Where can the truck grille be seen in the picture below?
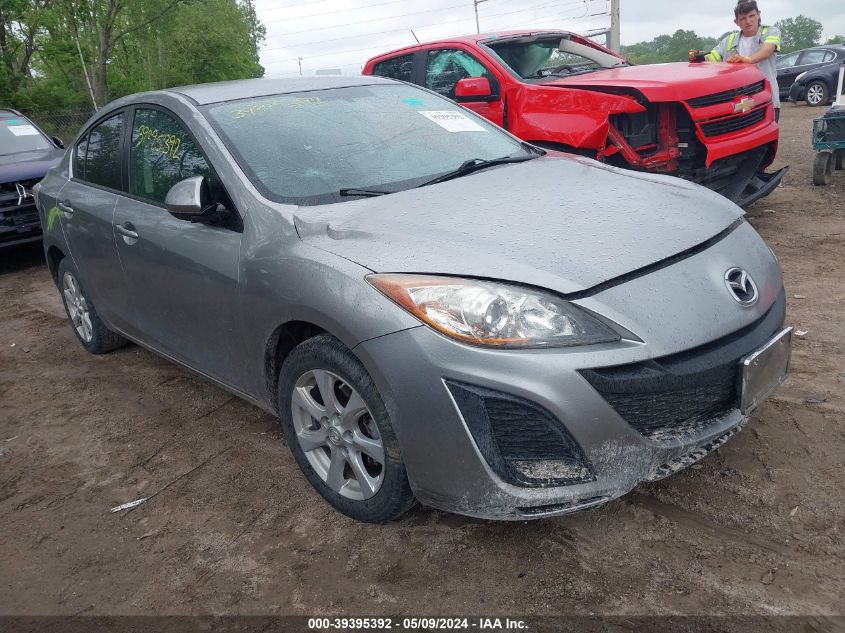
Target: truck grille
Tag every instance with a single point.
(734, 123)
(727, 95)
(681, 394)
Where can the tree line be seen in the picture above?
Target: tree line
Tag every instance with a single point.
(65, 54)
(796, 33)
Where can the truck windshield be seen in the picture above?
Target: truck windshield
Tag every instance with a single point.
(534, 58)
(335, 145)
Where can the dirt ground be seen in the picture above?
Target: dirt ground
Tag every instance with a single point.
(756, 528)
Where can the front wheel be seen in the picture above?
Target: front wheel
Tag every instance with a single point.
(817, 93)
(340, 433)
(90, 330)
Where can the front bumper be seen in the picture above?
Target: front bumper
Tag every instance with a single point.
(796, 92)
(452, 465)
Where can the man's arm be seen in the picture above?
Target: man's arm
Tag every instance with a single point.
(770, 46)
(764, 52)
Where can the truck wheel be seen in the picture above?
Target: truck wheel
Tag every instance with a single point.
(817, 93)
(822, 168)
(839, 159)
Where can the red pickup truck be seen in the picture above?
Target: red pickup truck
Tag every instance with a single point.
(709, 123)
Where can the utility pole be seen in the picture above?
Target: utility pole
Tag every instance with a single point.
(613, 40)
(475, 5)
(299, 59)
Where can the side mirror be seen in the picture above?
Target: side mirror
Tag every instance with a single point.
(473, 89)
(59, 143)
(188, 197)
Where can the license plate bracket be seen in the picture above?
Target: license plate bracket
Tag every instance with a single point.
(764, 369)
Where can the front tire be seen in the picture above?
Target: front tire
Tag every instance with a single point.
(340, 433)
(90, 330)
(817, 93)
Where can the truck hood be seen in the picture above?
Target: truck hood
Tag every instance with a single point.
(563, 223)
(667, 82)
(28, 165)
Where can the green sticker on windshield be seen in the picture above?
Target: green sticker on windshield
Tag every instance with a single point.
(12, 121)
(414, 102)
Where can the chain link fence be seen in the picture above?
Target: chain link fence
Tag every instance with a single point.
(65, 125)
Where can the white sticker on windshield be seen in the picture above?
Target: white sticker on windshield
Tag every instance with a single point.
(23, 130)
(452, 120)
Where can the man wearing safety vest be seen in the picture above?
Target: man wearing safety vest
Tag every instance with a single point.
(752, 44)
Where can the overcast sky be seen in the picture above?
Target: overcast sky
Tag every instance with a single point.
(343, 34)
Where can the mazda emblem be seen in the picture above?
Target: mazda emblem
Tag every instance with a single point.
(741, 286)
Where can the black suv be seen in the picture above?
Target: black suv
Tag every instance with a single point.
(26, 153)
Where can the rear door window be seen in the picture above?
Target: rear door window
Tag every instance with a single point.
(401, 68)
(101, 164)
(813, 57)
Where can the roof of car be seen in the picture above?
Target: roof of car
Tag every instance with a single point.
(479, 37)
(204, 94)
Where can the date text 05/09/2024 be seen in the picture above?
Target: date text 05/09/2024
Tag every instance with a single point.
(412, 624)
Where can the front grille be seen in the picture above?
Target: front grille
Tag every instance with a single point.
(734, 123)
(523, 444)
(17, 221)
(676, 395)
(727, 95)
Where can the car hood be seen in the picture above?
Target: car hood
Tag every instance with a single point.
(567, 224)
(28, 165)
(667, 82)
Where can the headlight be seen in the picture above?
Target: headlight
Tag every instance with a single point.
(493, 314)
(801, 76)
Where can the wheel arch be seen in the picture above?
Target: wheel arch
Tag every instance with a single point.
(280, 344)
(54, 256)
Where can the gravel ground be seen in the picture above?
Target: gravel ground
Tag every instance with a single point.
(756, 528)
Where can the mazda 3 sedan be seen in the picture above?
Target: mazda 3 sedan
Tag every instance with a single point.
(436, 311)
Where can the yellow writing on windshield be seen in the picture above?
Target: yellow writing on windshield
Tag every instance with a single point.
(265, 106)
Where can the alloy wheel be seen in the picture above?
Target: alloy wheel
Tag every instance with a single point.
(336, 431)
(815, 94)
(77, 307)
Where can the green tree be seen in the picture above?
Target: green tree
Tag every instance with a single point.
(668, 48)
(837, 39)
(799, 32)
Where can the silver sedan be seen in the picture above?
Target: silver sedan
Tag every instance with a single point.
(436, 311)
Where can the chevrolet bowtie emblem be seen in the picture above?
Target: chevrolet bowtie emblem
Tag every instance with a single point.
(745, 105)
(23, 193)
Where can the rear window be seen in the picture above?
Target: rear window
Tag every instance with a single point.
(401, 68)
(18, 134)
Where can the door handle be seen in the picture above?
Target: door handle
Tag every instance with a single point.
(127, 230)
(66, 208)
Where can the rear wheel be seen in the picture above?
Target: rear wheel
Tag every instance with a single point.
(340, 433)
(817, 93)
(86, 323)
(822, 168)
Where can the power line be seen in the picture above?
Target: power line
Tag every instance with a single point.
(493, 15)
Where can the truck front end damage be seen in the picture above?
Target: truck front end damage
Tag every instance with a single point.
(723, 141)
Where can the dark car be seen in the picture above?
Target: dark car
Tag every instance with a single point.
(811, 74)
(26, 154)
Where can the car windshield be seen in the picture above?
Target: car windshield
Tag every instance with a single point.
(539, 57)
(18, 135)
(305, 147)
